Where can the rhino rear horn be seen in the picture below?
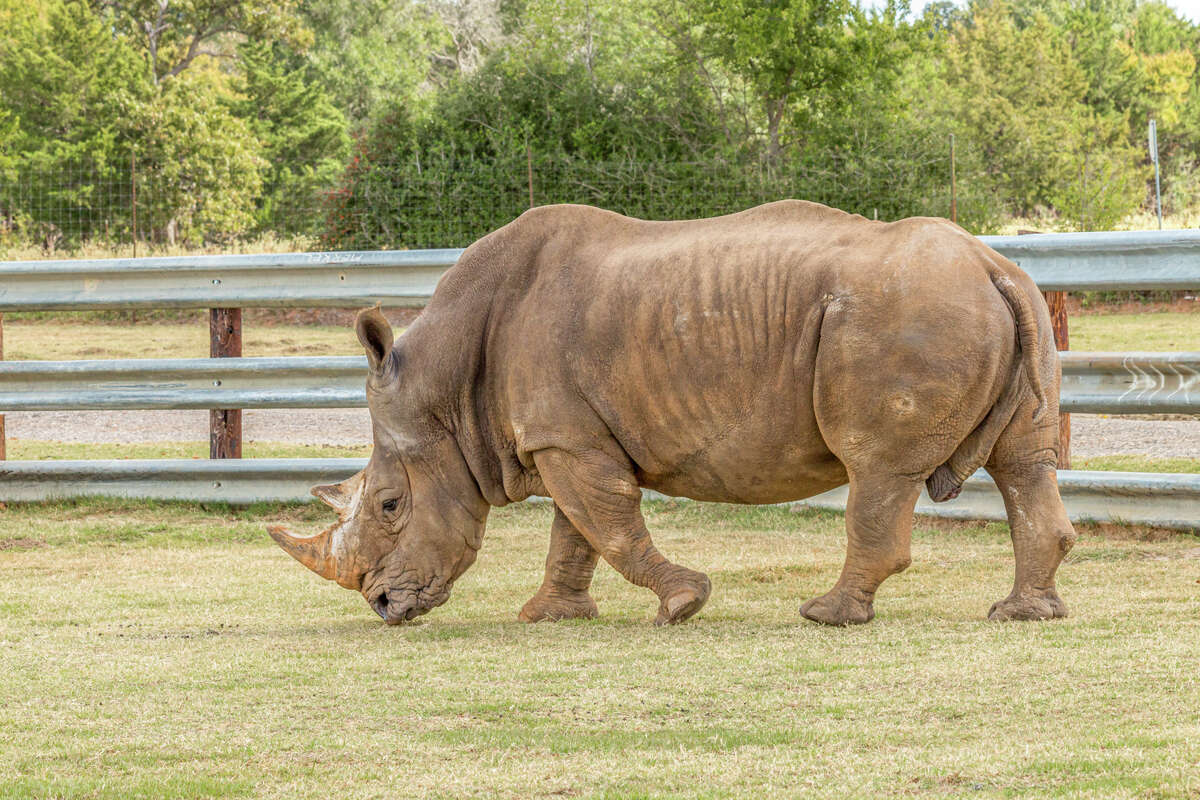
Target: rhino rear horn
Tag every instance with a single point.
(339, 496)
(375, 334)
(331, 494)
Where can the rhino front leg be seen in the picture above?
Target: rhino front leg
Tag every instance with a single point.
(879, 518)
(569, 567)
(600, 496)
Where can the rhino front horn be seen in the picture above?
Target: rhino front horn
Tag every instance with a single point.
(311, 551)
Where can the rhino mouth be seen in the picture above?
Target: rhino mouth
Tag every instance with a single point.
(395, 606)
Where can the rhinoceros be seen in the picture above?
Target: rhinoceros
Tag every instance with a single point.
(761, 357)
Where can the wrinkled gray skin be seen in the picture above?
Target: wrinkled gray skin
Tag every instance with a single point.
(760, 357)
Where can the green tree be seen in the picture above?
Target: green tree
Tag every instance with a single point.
(68, 89)
(794, 55)
(174, 33)
(200, 173)
(1027, 119)
(369, 54)
(303, 137)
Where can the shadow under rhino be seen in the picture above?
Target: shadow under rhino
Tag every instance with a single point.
(760, 357)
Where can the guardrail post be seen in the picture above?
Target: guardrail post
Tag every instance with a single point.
(225, 341)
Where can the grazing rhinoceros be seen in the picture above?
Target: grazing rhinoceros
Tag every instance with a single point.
(759, 357)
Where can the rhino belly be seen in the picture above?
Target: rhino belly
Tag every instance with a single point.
(761, 460)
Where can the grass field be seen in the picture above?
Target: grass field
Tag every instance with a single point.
(1156, 331)
(152, 650)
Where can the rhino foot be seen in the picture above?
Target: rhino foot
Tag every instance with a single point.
(839, 607)
(1045, 604)
(555, 607)
(685, 601)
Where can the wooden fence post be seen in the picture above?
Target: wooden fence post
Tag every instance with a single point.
(225, 341)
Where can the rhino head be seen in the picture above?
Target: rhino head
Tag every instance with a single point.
(412, 521)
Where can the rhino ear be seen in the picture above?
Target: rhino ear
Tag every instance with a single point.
(376, 337)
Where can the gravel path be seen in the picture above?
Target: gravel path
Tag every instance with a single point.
(335, 426)
(1091, 435)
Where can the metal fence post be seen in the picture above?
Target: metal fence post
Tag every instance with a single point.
(225, 341)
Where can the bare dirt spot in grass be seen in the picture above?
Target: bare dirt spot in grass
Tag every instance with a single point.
(766, 575)
(133, 631)
(21, 543)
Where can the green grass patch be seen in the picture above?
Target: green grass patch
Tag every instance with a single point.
(36, 450)
(1136, 464)
(170, 649)
(1157, 331)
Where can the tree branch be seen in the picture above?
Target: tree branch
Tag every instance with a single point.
(194, 50)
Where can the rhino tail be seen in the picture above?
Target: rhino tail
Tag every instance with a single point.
(1028, 338)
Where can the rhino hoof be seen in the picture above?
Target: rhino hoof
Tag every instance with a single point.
(1044, 605)
(838, 608)
(684, 603)
(541, 608)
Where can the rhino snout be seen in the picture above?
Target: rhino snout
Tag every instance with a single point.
(397, 607)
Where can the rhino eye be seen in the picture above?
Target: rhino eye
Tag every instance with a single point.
(390, 505)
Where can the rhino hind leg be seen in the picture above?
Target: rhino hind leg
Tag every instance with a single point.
(1023, 466)
(599, 494)
(879, 519)
(569, 568)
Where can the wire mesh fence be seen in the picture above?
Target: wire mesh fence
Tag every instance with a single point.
(429, 201)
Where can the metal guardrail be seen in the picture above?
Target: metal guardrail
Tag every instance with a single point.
(1130, 383)
(1109, 260)
(394, 277)
(1142, 498)
(237, 481)
(314, 382)
(1056, 261)
(1170, 501)
(1113, 383)
(1120, 383)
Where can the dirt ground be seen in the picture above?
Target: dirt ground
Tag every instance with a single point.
(1091, 434)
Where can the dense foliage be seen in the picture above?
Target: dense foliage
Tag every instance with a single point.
(420, 123)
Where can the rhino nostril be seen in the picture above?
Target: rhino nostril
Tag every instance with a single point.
(379, 603)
